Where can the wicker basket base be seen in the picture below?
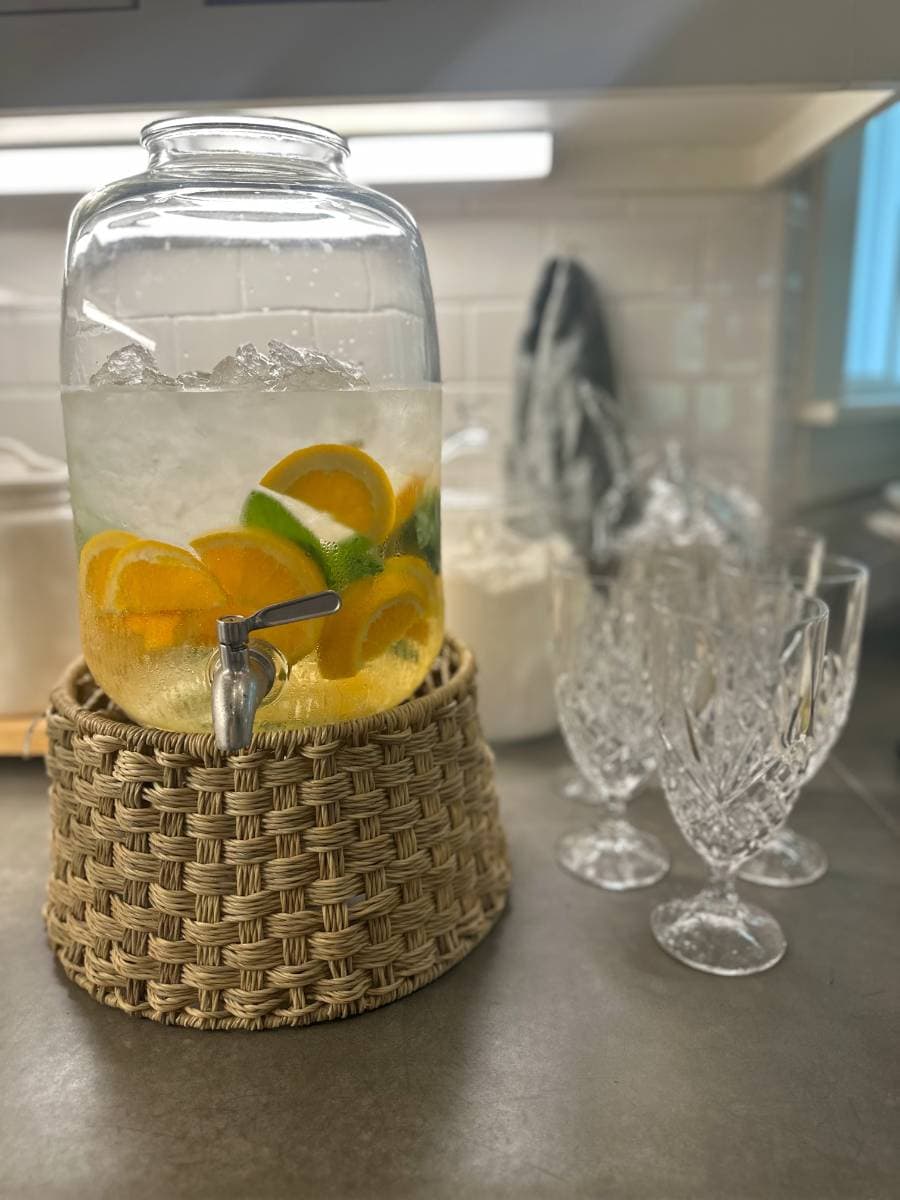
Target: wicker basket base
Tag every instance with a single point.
(322, 873)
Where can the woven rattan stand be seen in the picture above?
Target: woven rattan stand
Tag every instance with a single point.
(322, 873)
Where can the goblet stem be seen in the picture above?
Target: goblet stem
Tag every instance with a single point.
(612, 808)
(611, 853)
(716, 931)
(722, 887)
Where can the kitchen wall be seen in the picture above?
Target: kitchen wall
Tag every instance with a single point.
(692, 284)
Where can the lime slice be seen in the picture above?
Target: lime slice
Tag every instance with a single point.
(263, 511)
(340, 562)
(353, 558)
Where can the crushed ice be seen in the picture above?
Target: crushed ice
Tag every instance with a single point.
(280, 369)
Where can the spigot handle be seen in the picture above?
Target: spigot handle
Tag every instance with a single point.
(304, 608)
(235, 631)
(243, 674)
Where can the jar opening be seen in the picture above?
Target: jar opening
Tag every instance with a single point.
(177, 139)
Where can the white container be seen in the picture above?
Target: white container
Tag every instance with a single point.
(497, 598)
(38, 577)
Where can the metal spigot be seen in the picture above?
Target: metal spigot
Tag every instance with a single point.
(243, 674)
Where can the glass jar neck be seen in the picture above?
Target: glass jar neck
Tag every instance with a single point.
(243, 147)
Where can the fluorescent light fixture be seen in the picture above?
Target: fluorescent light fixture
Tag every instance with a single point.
(394, 158)
(66, 170)
(452, 157)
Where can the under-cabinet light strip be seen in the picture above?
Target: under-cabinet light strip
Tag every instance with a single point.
(388, 158)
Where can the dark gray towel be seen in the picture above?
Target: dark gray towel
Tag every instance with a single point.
(568, 441)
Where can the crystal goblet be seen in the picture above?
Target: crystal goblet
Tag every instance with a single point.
(790, 859)
(605, 717)
(735, 685)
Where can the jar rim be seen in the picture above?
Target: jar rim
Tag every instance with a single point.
(288, 127)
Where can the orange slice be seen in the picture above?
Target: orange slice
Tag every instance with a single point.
(159, 631)
(97, 555)
(342, 481)
(255, 567)
(155, 577)
(408, 501)
(375, 613)
(420, 570)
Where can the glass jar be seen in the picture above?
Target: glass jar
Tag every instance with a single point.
(498, 548)
(37, 588)
(251, 396)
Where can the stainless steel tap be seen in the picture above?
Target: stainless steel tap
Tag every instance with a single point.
(243, 674)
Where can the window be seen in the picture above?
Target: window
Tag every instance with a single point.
(872, 345)
(853, 275)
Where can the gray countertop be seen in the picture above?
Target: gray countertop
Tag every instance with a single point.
(567, 1056)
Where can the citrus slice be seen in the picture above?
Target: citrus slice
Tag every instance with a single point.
(159, 631)
(155, 577)
(262, 511)
(420, 630)
(342, 481)
(375, 613)
(408, 498)
(96, 558)
(255, 567)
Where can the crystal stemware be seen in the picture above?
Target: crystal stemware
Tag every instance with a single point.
(735, 683)
(573, 786)
(790, 859)
(605, 717)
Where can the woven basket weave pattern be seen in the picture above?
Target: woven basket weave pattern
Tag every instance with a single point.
(321, 873)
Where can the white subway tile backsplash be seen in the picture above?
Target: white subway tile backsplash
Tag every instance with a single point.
(664, 337)
(692, 283)
(660, 259)
(493, 336)
(736, 255)
(742, 335)
(714, 406)
(34, 416)
(313, 277)
(451, 335)
(31, 260)
(484, 259)
(661, 405)
(380, 342)
(203, 283)
(29, 348)
(489, 403)
(201, 341)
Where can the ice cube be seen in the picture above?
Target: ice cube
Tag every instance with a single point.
(247, 367)
(192, 381)
(133, 366)
(310, 369)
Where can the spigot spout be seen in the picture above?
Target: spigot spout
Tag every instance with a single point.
(243, 675)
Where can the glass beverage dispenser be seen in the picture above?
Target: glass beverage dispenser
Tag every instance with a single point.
(252, 408)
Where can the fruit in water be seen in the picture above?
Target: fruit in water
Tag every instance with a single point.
(154, 577)
(254, 568)
(342, 481)
(96, 558)
(408, 498)
(375, 613)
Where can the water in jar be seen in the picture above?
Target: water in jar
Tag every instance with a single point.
(193, 501)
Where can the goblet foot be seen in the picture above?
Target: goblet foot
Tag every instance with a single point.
(574, 786)
(718, 933)
(613, 855)
(788, 860)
